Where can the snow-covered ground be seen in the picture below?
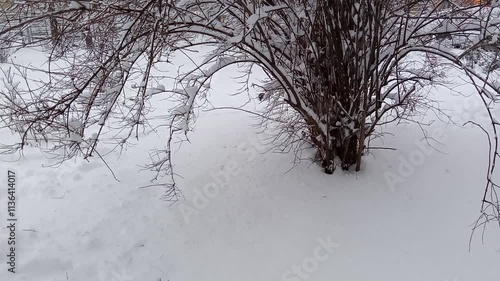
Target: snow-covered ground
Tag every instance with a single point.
(246, 216)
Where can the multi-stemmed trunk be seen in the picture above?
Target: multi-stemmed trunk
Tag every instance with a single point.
(342, 147)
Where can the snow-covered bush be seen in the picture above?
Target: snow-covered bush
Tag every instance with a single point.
(336, 69)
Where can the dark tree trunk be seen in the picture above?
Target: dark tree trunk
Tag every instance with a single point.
(338, 149)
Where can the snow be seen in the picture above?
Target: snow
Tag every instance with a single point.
(156, 90)
(102, 120)
(181, 110)
(247, 216)
(494, 39)
(75, 137)
(75, 124)
(235, 39)
(75, 5)
(252, 20)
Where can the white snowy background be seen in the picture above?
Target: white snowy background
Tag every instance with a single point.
(76, 222)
